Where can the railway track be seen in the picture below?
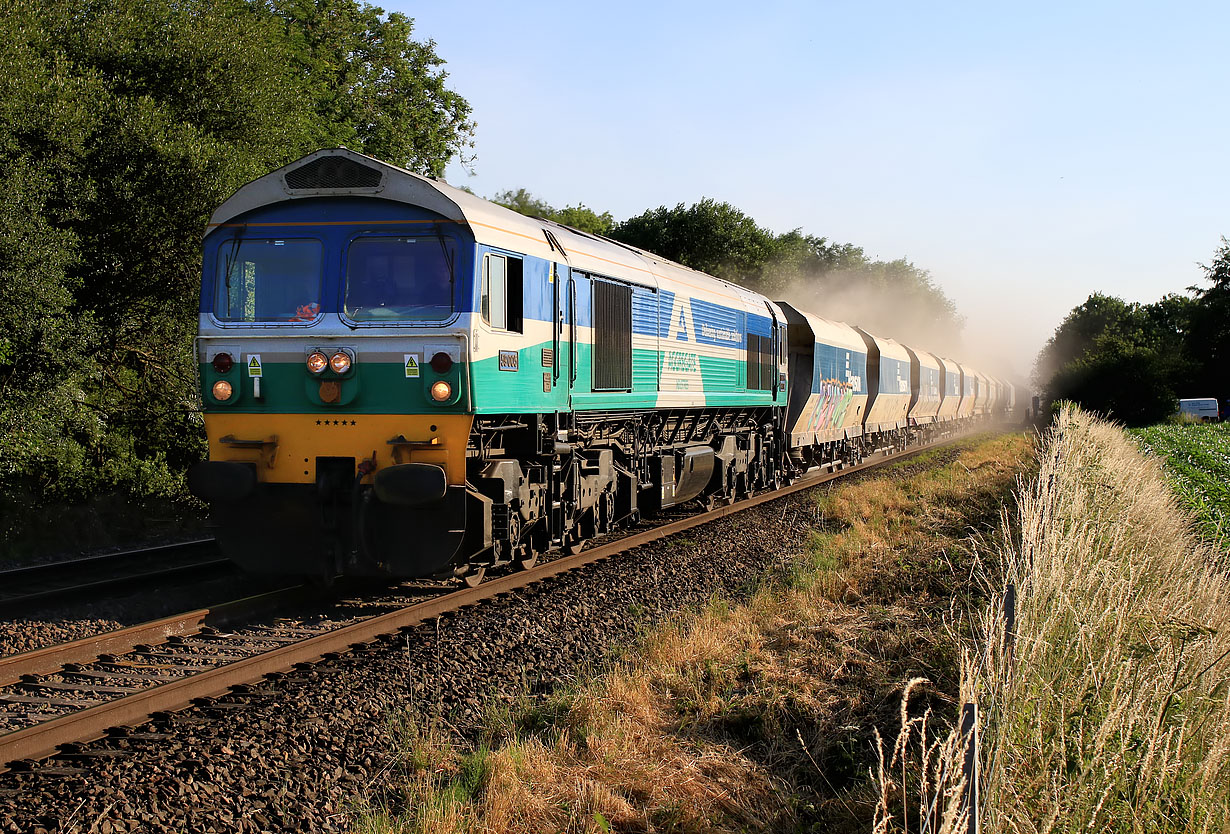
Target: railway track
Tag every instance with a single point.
(55, 700)
(39, 586)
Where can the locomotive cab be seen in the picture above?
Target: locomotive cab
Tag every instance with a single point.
(402, 379)
(333, 355)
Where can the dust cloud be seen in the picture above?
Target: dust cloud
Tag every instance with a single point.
(923, 318)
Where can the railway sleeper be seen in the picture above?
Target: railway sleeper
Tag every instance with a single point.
(53, 686)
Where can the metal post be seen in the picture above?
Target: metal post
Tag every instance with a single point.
(1010, 625)
(969, 736)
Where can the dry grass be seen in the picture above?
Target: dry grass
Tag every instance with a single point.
(756, 717)
(1115, 715)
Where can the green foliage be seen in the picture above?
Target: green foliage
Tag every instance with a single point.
(710, 236)
(838, 279)
(1126, 361)
(374, 88)
(586, 219)
(123, 123)
(1119, 379)
(524, 202)
(1132, 361)
(1197, 459)
(1210, 329)
(578, 216)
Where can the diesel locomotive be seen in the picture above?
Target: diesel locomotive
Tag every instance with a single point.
(402, 379)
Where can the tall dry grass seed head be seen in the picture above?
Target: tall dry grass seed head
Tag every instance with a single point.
(1115, 714)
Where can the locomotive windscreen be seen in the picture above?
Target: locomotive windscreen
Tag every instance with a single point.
(268, 280)
(399, 278)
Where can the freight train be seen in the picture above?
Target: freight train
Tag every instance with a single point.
(402, 379)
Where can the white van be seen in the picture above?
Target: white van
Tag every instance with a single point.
(1203, 409)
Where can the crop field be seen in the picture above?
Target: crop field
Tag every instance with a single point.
(1197, 459)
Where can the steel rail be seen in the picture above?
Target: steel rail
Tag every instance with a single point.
(52, 659)
(14, 603)
(45, 739)
(52, 568)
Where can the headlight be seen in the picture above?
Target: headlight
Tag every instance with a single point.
(317, 362)
(340, 363)
(441, 391)
(222, 390)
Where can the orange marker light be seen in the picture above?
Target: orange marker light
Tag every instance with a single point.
(441, 391)
(222, 390)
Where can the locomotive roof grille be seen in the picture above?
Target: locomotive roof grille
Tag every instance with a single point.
(329, 172)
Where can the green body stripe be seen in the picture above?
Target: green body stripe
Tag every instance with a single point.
(383, 388)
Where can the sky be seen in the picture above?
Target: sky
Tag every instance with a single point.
(1027, 156)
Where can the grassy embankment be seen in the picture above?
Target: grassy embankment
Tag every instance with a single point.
(1197, 459)
(752, 717)
(1115, 715)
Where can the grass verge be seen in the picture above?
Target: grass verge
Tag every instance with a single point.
(758, 716)
(1114, 714)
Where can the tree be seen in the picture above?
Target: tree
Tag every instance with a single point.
(373, 88)
(123, 123)
(586, 219)
(1209, 338)
(578, 216)
(710, 236)
(1120, 379)
(1128, 361)
(523, 202)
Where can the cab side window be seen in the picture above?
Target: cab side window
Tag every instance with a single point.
(502, 292)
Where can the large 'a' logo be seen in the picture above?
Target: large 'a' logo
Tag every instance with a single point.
(681, 328)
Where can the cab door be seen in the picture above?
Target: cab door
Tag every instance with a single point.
(563, 336)
(777, 348)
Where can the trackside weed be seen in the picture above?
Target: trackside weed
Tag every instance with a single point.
(1114, 713)
(751, 715)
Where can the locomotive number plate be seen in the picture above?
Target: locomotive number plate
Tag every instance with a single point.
(509, 360)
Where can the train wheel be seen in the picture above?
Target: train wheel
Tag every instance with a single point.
(526, 557)
(522, 553)
(574, 544)
(474, 578)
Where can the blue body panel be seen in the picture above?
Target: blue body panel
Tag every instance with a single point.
(844, 365)
(952, 382)
(894, 376)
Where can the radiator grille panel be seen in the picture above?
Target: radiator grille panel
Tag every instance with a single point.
(333, 172)
(612, 337)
